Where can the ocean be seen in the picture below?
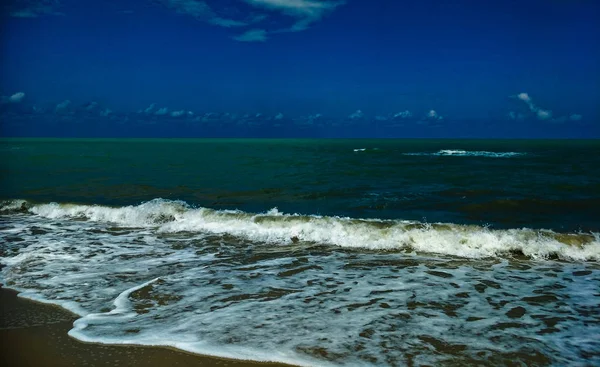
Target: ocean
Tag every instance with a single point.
(358, 252)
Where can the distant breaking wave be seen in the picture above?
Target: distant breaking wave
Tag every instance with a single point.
(468, 241)
(467, 153)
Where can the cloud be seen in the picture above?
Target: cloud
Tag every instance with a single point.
(403, 115)
(306, 12)
(148, 109)
(62, 106)
(433, 115)
(162, 111)
(15, 98)
(543, 114)
(201, 10)
(253, 35)
(105, 112)
(90, 106)
(358, 114)
(177, 113)
(575, 117)
(524, 97)
(33, 8)
(516, 116)
(279, 116)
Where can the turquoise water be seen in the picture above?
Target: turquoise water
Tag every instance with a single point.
(350, 252)
(546, 184)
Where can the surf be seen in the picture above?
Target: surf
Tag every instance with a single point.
(281, 229)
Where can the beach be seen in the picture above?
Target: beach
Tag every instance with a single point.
(35, 334)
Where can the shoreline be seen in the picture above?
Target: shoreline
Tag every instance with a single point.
(33, 333)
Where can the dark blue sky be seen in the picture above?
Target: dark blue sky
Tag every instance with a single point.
(426, 68)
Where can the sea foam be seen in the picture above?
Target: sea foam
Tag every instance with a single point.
(467, 153)
(468, 241)
(305, 290)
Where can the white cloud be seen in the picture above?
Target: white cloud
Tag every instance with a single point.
(62, 106)
(575, 117)
(433, 115)
(403, 115)
(305, 11)
(540, 113)
(543, 114)
(381, 118)
(524, 97)
(279, 116)
(356, 115)
(253, 35)
(17, 97)
(162, 111)
(177, 113)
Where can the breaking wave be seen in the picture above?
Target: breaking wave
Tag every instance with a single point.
(274, 227)
(467, 153)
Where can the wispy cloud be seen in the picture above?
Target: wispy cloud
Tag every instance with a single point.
(62, 106)
(16, 98)
(148, 109)
(105, 112)
(306, 12)
(544, 114)
(253, 35)
(539, 112)
(177, 113)
(33, 8)
(279, 116)
(515, 116)
(90, 106)
(403, 115)
(575, 117)
(201, 10)
(162, 111)
(358, 114)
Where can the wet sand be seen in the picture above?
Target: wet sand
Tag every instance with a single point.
(35, 334)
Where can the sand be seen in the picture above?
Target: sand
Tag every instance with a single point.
(35, 334)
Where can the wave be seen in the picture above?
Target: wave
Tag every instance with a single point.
(365, 149)
(468, 153)
(274, 227)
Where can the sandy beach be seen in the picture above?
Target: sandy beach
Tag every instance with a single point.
(35, 334)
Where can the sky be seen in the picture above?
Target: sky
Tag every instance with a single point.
(300, 68)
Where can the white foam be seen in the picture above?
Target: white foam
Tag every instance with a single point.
(467, 153)
(217, 295)
(277, 228)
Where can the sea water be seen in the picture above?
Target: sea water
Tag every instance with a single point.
(313, 252)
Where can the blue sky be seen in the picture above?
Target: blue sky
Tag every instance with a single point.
(346, 68)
